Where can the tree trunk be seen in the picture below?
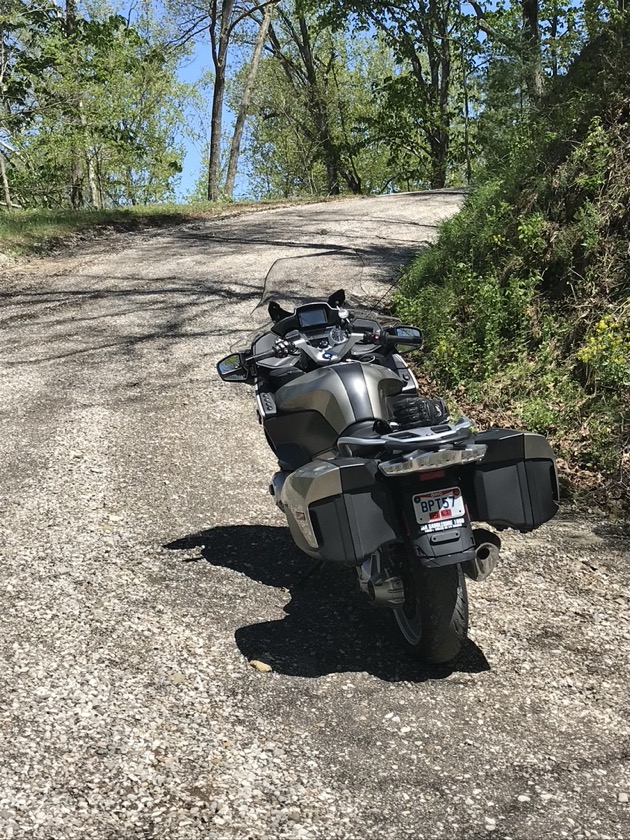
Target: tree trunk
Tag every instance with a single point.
(246, 96)
(531, 54)
(554, 45)
(439, 129)
(5, 183)
(304, 79)
(219, 58)
(434, 87)
(76, 168)
(352, 179)
(130, 188)
(466, 116)
(95, 194)
(71, 17)
(332, 174)
(96, 199)
(319, 110)
(216, 123)
(439, 145)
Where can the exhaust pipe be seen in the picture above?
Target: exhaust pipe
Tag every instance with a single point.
(486, 555)
(275, 488)
(382, 587)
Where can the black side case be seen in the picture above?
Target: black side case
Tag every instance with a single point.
(351, 526)
(516, 483)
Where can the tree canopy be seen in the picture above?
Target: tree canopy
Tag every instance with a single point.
(89, 108)
(330, 95)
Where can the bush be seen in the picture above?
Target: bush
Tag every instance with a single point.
(525, 298)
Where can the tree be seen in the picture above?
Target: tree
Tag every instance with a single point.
(421, 34)
(91, 106)
(245, 99)
(4, 147)
(221, 20)
(309, 75)
(76, 114)
(544, 36)
(526, 44)
(312, 111)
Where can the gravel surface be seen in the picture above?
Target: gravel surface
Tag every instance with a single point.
(144, 566)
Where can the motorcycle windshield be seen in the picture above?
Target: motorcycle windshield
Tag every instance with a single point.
(295, 280)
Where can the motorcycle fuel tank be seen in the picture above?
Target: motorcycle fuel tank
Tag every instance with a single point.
(314, 409)
(343, 394)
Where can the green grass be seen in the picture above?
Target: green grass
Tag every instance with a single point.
(36, 231)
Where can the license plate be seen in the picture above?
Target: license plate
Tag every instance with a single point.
(438, 506)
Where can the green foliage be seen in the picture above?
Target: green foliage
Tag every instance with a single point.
(91, 113)
(527, 289)
(401, 113)
(312, 117)
(396, 123)
(606, 353)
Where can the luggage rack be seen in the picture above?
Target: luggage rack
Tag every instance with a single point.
(408, 440)
(423, 449)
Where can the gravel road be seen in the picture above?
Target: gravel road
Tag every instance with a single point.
(144, 566)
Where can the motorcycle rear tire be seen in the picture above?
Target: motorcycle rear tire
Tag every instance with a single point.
(434, 620)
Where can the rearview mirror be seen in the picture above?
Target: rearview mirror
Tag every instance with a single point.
(405, 338)
(233, 369)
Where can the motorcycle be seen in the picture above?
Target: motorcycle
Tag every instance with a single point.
(375, 476)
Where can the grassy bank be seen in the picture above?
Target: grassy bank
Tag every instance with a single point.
(525, 298)
(30, 231)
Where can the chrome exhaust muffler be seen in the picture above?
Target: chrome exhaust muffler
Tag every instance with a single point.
(487, 555)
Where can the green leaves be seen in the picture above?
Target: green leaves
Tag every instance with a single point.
(525, 297)
(92, 111)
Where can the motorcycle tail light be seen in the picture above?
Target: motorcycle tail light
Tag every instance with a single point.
(429, 476)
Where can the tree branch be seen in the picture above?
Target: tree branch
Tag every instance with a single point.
(257, 8)
(193, 29)
(6, 148)
(493, 33)
(291, 69)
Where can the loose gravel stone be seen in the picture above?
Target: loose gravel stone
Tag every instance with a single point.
(257, 665)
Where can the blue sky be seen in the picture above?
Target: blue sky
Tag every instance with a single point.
(191, 70)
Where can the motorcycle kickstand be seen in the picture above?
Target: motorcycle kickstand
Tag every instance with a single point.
(315, 567)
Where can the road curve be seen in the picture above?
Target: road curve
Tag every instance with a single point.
(143, 566)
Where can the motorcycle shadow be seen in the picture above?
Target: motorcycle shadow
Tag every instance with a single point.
(328, 627)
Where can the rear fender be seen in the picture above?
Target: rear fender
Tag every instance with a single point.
(444, 548)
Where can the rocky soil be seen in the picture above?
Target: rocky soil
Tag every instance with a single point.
(143, 567)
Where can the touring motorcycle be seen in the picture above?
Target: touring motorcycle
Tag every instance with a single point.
(374, 475)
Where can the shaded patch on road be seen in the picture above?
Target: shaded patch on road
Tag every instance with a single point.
(328, 628)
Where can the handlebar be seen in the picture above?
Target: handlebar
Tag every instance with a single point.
(402, 335)
(296, 342)
(260, 357)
